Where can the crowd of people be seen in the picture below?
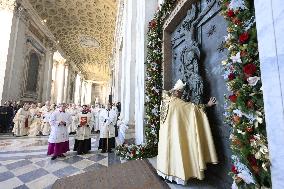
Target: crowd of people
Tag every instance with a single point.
(60, 121)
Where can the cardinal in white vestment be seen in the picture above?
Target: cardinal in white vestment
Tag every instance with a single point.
(73, 110)
(107, 130)
(96, 113)
(45, 127)
(122, 127)
(84, 121)
(58, 141)
(46, 107)
(36, 120)
(22, 121)
(185, 139)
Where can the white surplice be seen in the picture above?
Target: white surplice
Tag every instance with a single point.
(59, 133)
(83, 122)
(109, 118)
(22, 122)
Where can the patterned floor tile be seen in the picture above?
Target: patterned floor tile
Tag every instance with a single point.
(42, 163)
(83, 164)
(35, 160)
(96, 157)
(94, 167)
(22, 187)
(67, 171)
(27, 177)
(24, 164)
(11, 183)
(104, 162)
(6, 175)
(6, 162)
(79, 172)
(18, 164)
(25, 169)
(73, 159)
(3, 169)
(42, 182)
(52, 167)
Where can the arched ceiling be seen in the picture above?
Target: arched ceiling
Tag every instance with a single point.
(84, 29)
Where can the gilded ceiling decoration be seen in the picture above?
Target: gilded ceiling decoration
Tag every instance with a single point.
(84, 30)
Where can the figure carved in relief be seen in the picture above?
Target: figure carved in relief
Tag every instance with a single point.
(190, 74)
(190, 55)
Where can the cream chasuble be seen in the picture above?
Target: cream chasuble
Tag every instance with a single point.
(185, 141)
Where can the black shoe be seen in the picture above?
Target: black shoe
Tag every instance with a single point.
(103, 151)
(53, 157)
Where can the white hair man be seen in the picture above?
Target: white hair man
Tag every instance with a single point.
(22, 121)
(185, 139)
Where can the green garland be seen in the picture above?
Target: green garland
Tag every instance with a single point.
(153, 83)
(244, 107)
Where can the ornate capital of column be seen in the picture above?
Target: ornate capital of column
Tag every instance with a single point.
(21, 12)
(51, 46)
(7, 5)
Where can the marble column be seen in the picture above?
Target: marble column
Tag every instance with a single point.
(89, 93)
(60, 80)
(270, 27)
(53, 82)
(19, 12)
(66, 82)
(129, 63)
(6, 18)
(48, 74)
(145, 12)
(77, 97)
(81, 93)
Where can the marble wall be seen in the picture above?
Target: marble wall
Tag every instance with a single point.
(270, 27)
(15, 64)
(6, 17)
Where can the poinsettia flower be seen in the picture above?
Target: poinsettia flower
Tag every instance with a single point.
(252, 81)
(231, 76)
(243, 37)
(236, 58)
(230, 13)
(249, 69)
(233, 98)
(234, 169)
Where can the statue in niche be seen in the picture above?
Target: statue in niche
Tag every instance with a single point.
(189, 70)
(32, 75)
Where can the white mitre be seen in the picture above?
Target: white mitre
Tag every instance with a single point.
(179, 85)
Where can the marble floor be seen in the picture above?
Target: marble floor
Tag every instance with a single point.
(24, 163)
